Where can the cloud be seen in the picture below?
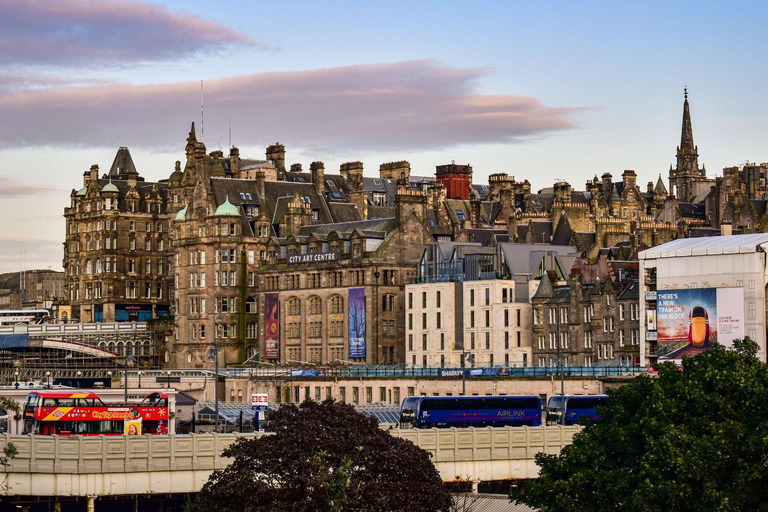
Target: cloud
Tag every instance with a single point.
(10, 187)
(97, 33)
(405, 105)
(37, 253)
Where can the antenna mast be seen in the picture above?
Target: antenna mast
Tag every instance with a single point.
(202, 129)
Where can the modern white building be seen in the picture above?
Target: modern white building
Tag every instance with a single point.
(697, 290)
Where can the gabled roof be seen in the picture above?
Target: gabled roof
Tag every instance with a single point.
(376, 228)
(524, 259)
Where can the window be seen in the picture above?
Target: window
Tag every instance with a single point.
(460, 215)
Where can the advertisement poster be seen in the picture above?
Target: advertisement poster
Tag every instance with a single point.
(356, 323)
(271, 326)
(132, 427)
(690, 321)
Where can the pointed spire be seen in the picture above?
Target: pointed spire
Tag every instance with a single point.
(686, 138)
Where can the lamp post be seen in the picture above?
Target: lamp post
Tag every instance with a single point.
(215, 357)
(16, 380)
(139, 374)
(128, 358)
(466, 357)
(168, 381)
(48, 379)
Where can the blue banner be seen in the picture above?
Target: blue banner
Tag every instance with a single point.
(8, 341)
(356, 323)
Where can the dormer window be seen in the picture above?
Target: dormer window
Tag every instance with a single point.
(460, 214)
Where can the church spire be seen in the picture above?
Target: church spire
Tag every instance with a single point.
(687, 152)
(686, 139)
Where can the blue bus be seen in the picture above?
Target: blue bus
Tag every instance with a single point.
(576, 407)
(471, 411)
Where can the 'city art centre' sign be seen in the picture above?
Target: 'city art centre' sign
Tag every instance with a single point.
(316, 257)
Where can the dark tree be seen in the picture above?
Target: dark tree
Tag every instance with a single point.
(324, 457)
(693, 438)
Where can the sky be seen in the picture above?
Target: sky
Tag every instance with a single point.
(543, 91)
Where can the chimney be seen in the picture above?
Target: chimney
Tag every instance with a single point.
(95, 173)
(630, 179)
(359, 197)
(276, 153)
(512, 228)
(234, 161)
(607, 185)
(353, 172)
(317, 171)
(260, 178)
(650, 187)
(295, 167)
(726, 229)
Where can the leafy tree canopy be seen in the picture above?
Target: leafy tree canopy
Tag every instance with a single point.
(693, 438)
(324, 457)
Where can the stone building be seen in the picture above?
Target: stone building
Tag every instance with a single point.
(117, 258)
(266, 261)
(586, 324)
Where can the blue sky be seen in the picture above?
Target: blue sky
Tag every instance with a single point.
(543, 91)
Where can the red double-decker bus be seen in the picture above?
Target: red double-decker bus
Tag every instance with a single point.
(78, 413)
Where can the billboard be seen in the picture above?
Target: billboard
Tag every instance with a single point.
(271, 326)
(356, 323)
(690, 321)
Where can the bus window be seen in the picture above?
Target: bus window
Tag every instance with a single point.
(49, 402)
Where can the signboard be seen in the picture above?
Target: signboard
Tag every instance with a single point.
(308, 373)
(316, 257)
(132, 427)
(650, 296)
(689, 321)
(259, 401)
(651, 336)
(271, 326)
(357, 323)
(650, 319)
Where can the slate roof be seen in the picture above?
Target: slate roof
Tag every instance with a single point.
(585, 240)
(563, 233)
(344, 212)
(631, 291)
(277, 189)
(542, 231)
(485, 237)
(376, 228)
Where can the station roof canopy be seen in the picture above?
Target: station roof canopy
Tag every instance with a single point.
(713, 245)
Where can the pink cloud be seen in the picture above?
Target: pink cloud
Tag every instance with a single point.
(405, 105)
(10, 187)
(96, 33)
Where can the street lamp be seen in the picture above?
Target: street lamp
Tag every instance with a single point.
(214, 356)
(466, 357)
(139, 373)
(168, 381)
(48, 379)
(128, 359)
(16, 381)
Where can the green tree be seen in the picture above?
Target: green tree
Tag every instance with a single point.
(324, 457)
(693, 438)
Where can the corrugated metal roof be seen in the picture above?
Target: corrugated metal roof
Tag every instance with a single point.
(488, 503)
(733, 244)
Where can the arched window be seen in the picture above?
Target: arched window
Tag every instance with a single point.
(250, 305)
(315, 305)
(98, 266)
(337, 304)
(294, 306)
(388, 302)
(89, 267)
